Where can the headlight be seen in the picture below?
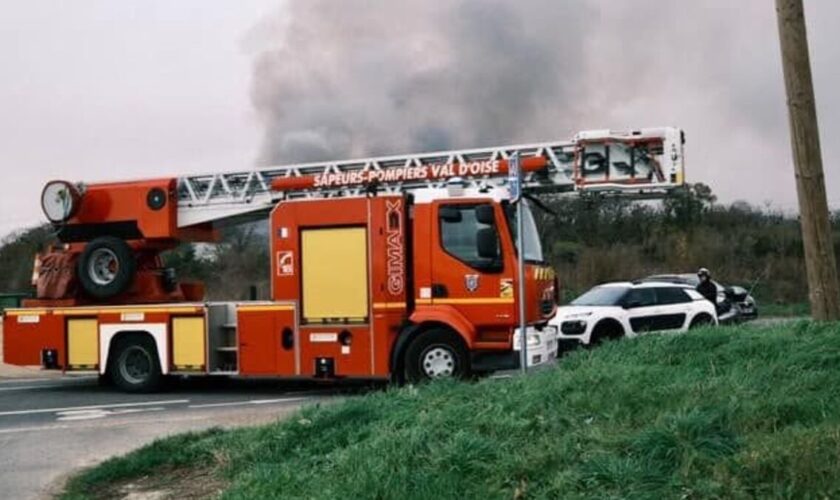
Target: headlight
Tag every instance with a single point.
(534, 338)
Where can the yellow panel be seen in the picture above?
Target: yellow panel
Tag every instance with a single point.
(188, 342)
(82, 343)
(335, 273)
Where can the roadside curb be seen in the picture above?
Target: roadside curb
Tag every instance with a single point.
(12, 372)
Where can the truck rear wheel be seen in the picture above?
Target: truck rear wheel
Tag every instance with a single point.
(134, 366)
(106, 267)
(436, 354)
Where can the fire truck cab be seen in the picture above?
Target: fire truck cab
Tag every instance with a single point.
(417, 285)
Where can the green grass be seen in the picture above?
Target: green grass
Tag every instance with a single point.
(737, 412)
(788, 310)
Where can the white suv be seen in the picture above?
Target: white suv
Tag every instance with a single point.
(615, 310)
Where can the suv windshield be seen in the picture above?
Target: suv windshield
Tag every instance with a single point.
(531, 238)
(601, 296)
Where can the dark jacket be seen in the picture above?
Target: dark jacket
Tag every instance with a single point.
(708, 290)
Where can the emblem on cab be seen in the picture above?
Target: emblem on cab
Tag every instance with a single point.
(471, 282)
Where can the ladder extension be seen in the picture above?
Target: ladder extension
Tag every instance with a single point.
(639, 163)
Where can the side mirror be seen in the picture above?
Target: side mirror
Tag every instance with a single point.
(450, 214)
(485, 214)
(487, 241)
(631, 304)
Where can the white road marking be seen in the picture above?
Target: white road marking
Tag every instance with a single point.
(93, 407)
(272, 401)
(216, 405)
(75, 415)
(246, 403)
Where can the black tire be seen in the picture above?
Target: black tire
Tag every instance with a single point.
(133, 364)
(700, 321)
(441, 351)
(606, 330)
(106, 267)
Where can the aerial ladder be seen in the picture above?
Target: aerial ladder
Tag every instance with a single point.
(102, 225)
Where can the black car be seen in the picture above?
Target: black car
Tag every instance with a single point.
(734, 303)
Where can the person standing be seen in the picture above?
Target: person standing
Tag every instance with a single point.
(706, 288)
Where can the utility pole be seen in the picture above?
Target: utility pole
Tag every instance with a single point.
(515, 186)
(820, 262)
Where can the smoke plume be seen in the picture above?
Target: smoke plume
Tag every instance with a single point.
(341, 79)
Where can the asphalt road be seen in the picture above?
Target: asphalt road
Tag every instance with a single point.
(51, 427)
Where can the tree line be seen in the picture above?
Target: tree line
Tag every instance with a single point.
(589, 238)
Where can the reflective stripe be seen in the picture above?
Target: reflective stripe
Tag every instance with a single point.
(468, 301)
(84, 311)
(389, 305)
(27, 312)
(279, 307)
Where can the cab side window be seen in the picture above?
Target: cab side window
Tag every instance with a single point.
(468, 233)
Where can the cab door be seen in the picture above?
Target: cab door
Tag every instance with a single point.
(470, 271)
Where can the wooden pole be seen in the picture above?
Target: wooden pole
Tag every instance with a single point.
(807, 159)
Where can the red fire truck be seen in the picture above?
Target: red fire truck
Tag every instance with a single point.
(399, 267)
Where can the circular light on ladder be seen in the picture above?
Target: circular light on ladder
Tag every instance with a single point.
(156, 199)
(60, 201)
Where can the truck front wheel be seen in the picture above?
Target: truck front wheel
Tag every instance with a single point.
(134, 365)
(436, 354)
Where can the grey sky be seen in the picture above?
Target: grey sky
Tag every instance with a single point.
(102, 90)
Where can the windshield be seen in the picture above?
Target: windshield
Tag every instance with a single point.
(531, 238)
(601, 296)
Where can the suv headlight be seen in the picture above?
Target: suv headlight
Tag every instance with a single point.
(534, 340)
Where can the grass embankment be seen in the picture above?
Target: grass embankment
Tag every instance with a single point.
(725, 412)
(785, 310)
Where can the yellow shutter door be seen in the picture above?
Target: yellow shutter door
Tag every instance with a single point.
(335, 274)
(82, 343)
(188, 343)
